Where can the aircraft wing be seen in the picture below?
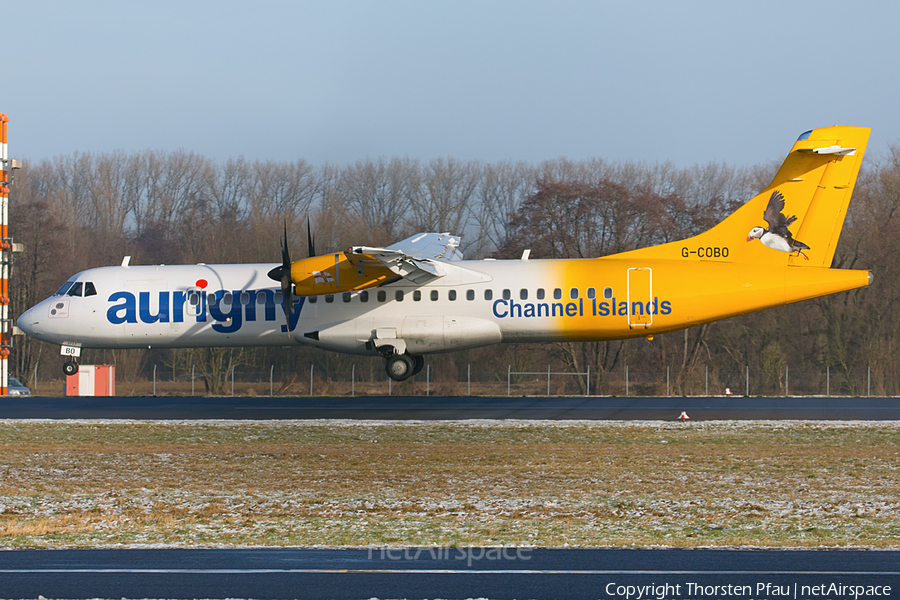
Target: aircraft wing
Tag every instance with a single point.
(416, 258)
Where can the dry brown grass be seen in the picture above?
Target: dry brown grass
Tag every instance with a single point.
(459, 483)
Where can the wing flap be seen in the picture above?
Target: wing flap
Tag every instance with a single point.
(416, 259)
(437, 246)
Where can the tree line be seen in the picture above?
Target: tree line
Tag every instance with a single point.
(86, 210)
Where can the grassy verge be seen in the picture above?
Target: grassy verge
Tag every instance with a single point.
(337, 483)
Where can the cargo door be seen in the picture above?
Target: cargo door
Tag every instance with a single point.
(640, 297)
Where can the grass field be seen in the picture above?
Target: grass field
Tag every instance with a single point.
(525, 483)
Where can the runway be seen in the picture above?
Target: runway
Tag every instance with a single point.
(496, 573)
(456, 408)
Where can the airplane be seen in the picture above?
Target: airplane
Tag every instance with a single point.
(420, 296)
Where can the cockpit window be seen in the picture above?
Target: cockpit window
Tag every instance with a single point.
(89, 289)
(76, 289)
(65, 288)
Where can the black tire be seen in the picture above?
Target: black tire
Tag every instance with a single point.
(399, 367)
(420, 364)
(70, 367)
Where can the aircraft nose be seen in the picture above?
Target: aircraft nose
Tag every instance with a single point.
(28, 323)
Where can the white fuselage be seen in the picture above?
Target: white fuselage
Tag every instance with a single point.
(238, 305)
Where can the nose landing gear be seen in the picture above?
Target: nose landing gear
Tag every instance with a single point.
(70, 367)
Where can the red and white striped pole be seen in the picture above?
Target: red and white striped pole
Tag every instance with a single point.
(5, 258)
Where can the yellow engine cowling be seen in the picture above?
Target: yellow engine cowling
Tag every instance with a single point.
(336, 273)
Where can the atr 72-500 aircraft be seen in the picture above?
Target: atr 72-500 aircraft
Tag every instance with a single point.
(419, 296)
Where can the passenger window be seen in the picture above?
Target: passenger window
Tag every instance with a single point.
(573, 293)
(346, 296)
(76, 289)
(399, 295)
(557, 294)
(329, 298)
(364, 296)
(313, 299)
(451, 295)
(591, 293)
(417, 295)
(506, 295)
(488, 294)
(279, 298)
(434, 295)
(89, 289)
(607, 293)
(540, 294)
(382, 295)
(260, 298)
(194, 299)
(245, 298)
(523, 294)
(226, 298)
(470, 294)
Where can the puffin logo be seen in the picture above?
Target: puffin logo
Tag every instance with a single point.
(777, 236)
(322, 277)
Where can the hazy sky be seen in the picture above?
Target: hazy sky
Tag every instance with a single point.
(343, 81)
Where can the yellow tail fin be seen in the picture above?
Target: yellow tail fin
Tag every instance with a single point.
(797, 219)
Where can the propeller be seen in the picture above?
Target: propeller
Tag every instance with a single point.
(282, 273)
(312, 245)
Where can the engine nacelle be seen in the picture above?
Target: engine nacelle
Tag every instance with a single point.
(336, 273)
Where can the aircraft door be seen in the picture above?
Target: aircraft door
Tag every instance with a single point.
(639, 295)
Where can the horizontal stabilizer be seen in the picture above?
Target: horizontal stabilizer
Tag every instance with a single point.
(835, 149)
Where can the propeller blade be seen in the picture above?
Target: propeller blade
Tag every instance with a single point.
(286, 283)
(284, 269)
(285, 255)
(288, 298)
(311, 250)
(282, 274)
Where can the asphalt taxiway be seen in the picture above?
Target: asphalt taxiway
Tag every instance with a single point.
(450, 573)
(458, 407)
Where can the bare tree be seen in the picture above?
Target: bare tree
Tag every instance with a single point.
(379, 195)
(443, 197)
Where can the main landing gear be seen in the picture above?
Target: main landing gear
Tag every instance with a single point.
(401, 367)
(70, 367)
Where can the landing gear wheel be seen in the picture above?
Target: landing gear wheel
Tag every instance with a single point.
(399, 367)
(420, 364)
(70, 367)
